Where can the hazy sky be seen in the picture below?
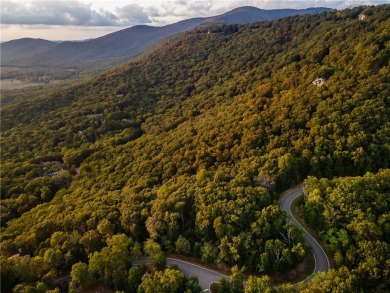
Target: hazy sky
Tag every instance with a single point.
(82, 19)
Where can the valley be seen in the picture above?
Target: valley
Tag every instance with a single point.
(10, 84)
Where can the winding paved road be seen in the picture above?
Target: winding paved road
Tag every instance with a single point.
(320, 258)
(204, 275)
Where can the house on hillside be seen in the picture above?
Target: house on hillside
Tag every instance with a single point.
(319, 81)
(362, 16)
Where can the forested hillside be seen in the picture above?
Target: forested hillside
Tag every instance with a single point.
(352, 215)
(185, 148)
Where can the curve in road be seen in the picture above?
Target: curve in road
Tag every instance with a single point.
(320, 258)
(204, 275)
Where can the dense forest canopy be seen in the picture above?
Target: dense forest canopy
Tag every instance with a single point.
(181, 150)
(352, 215)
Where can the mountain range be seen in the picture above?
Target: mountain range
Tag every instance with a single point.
(115, 48)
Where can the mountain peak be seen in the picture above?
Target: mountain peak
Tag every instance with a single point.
(248, 14)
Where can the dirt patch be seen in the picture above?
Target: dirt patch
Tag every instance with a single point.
(297, 274)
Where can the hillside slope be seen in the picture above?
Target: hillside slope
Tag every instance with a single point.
(121, 45)
(191, 140)
(128, 43)
(23, 48)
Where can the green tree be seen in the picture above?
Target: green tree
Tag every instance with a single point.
(286, 288)
(53, 258)
(135, 277)
(91, 241)
(106, 228)
(183, 245)
(237, 279)
(209, 252)
(258, 285)
(191, 284)
(80, 274)
(224, 286)
(157, 256)
(96, 265)
(136, 250)
(169, 280)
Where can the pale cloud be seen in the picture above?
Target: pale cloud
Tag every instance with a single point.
(132, 12)
(74, 13)
(172, 11)
(181, 2)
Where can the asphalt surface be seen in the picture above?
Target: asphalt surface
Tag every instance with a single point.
(321, 260)
(204, 275)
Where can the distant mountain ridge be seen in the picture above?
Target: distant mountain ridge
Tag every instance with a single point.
(248, 14)
(124, 44)
(23, 48)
